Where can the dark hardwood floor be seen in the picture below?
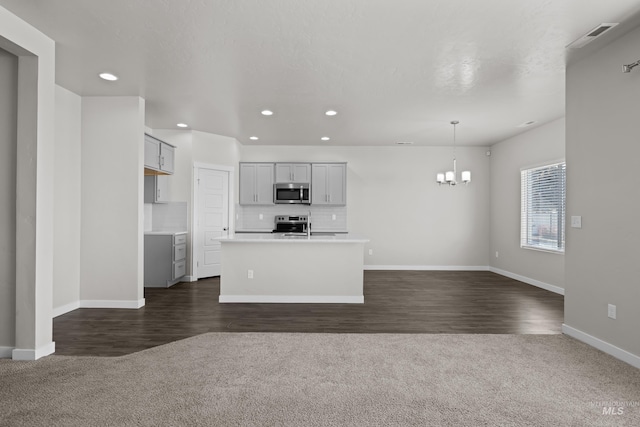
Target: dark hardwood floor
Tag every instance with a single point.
(425, 302)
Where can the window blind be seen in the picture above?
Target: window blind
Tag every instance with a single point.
(543, 201)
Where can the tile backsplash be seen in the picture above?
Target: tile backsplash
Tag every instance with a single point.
(171, 216)
(323, 218)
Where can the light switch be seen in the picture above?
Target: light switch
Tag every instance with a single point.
(576, 222)
(261, 217)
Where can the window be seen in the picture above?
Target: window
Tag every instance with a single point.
(543, 194)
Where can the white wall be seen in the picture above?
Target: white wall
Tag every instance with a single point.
(539, 146)
(393, 200)
(67, 179)
(603, 153)
(112, 221)
(8, 135)
(34, 184)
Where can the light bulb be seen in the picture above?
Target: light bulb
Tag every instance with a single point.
(450, 176)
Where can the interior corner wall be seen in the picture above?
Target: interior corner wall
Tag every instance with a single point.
(602, 165)
(112, 196)
(539, 146)
(8, 137)
(67, 181)
(394, 200)
(34, 185)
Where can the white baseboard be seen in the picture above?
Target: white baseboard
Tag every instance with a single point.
(6, 352)
(304, 299)
(534, 282)
(428, 267)
(59, 311)
(189, 279)
(112, 304)
(29, 354)
(610, 349)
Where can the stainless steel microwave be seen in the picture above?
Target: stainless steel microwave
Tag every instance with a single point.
(291, 193)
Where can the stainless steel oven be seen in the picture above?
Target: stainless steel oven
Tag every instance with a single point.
(291, 224)
(291, 193)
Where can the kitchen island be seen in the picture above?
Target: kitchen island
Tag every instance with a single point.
(276, 268)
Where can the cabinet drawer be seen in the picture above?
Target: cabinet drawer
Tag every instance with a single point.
(180, 239)
(179, 269)
(179, 252)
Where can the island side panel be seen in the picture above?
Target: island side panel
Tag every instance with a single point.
(303, 272)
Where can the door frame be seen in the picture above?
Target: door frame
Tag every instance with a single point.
(194, 208)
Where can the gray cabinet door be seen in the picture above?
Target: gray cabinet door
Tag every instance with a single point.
(256, 183)
(156, 189)
(158, 155)
(284, 172)
(293, 172)
(328, 186)
(151, 153)
(319, 189)
(247, 184)
(337, 184)
(164, 261)
(167, 158)
(301, 172)
(264, 184)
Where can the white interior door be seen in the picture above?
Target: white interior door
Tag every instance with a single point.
(213, 219)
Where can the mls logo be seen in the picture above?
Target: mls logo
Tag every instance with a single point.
(613, 410)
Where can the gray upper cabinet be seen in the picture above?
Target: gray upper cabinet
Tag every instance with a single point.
(293, 172)
(329, 184)
(256, 183)
(156, 189)
(158, 156)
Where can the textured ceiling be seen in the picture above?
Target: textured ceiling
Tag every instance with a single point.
(394, 70)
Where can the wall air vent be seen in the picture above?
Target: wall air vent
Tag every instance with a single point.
(591, 35)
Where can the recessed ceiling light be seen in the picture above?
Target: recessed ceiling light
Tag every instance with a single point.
(267, 113)
(325, 138)
(254, 138)
(182, 125)
(108, 76)
(331, 113)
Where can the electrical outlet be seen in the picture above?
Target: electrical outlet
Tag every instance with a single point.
(260, 217)
(611, 311)
(370, 251)
(333, 217)
(576, 222)
(249, 274)
(497, 254)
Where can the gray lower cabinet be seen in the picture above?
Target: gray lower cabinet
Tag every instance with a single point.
(165, 259)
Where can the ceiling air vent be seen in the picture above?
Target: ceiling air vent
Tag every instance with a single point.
(591, 35)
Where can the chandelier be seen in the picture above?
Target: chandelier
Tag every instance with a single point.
(450, 177)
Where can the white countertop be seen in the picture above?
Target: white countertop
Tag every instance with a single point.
(281, 238)
(164, 233)
(264, 230)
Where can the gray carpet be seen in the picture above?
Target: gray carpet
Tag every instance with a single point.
(328, 379)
